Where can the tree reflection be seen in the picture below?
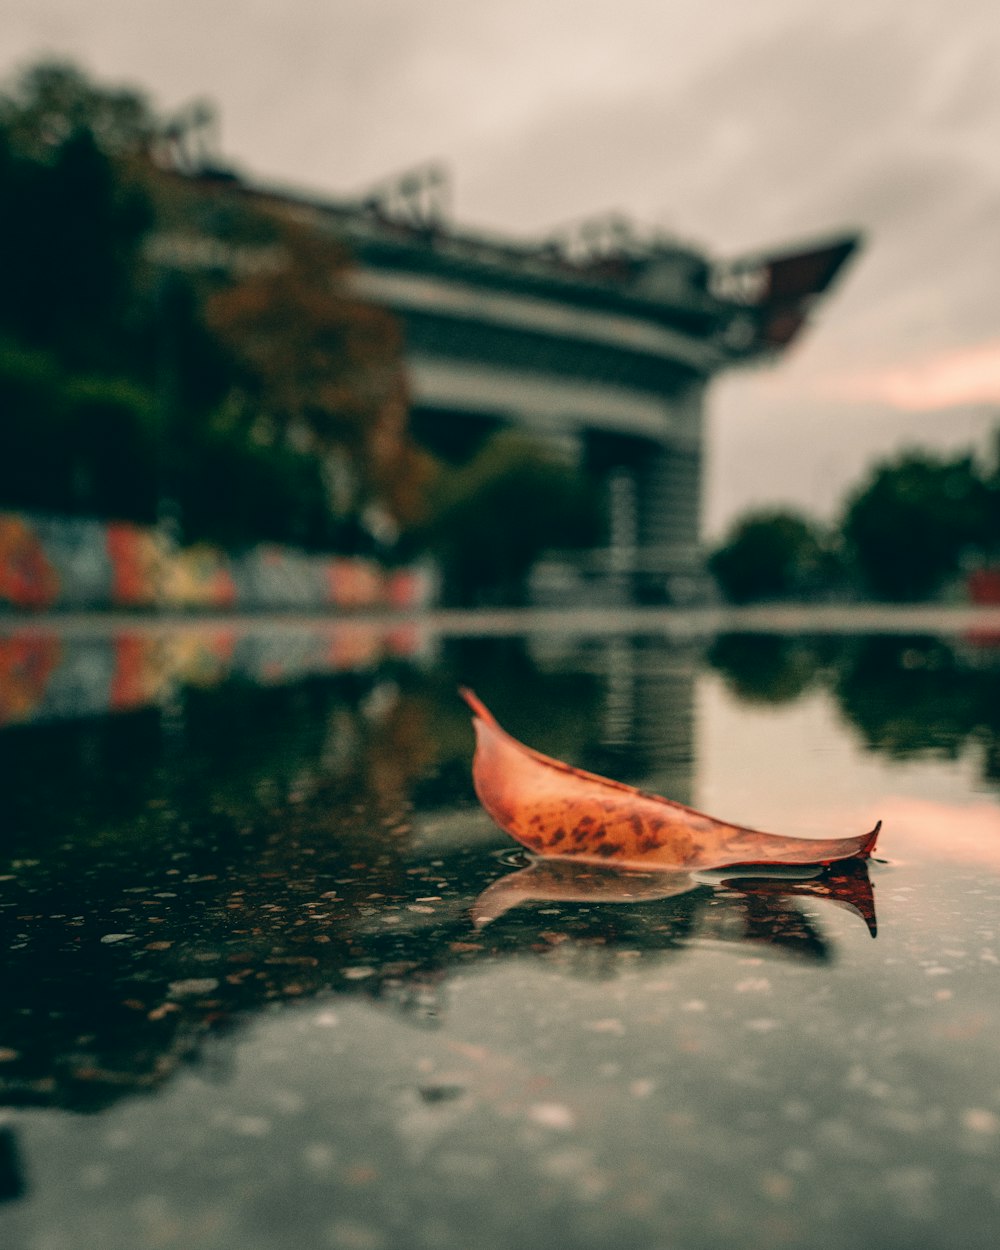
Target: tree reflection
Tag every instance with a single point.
(908, 696)
(110, 988)
(766, 668)
(917, 696)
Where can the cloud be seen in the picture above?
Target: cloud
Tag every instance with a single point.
(969, 375)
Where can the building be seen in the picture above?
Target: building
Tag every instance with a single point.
(597, 340)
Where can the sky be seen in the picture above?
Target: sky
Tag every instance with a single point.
(736, 125)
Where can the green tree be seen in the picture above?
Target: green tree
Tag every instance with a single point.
(908, 527)
(773, 555)
(991, 537)
(492, 518)
(73, 215)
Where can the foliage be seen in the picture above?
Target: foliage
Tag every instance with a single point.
(907, 528)
(767, 668)
(130, 375)
(271, 493)
(319, 365)
(991, 536)
(72, 218)
(773, 555)
(492, 518)
(74, 444)
(53, 100)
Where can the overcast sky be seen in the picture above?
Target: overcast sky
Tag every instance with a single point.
(736, 124)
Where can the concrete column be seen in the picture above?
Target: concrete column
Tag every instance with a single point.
(668, 505)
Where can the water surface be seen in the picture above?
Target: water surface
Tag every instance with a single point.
(246, 1001)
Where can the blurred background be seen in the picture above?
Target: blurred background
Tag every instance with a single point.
(498, 304)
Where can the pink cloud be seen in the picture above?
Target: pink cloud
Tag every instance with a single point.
(965, 375)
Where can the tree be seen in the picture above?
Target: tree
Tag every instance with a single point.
(492, 518)
(321, 368)
(991, 538)
(73, 214)
(908, 527)
(773, 555)
(186, 328)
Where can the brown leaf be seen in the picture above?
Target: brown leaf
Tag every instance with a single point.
(556, 810)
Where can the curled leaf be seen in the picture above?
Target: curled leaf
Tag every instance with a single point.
(556, 810)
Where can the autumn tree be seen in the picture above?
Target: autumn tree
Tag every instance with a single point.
(320, 369)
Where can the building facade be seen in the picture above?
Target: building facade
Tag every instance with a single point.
(596, 341)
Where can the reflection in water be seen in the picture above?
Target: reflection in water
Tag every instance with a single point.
(235, 847)
(908, 696)
(563, 881)
(251, 844)
(118, 971)
(12, 1183)
(262, 838)
(762, 893)
(647, 719)
(767, 668)
(846, 884)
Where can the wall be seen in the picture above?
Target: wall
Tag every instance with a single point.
(72, 563)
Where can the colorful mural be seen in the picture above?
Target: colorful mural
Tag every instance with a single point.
(68, 562)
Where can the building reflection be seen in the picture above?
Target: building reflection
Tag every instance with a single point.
(644, 709)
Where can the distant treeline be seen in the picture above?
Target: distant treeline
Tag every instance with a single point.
(915, 525)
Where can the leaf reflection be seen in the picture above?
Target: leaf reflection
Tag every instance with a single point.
(562, 880)
(760, 903)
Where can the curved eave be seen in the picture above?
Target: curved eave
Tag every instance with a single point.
(407, 292)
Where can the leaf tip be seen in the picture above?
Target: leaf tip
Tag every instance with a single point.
(868, 846)
(478, 707)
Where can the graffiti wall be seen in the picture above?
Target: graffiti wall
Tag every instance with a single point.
(68, 562)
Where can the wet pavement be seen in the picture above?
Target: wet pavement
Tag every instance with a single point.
(272, 978)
